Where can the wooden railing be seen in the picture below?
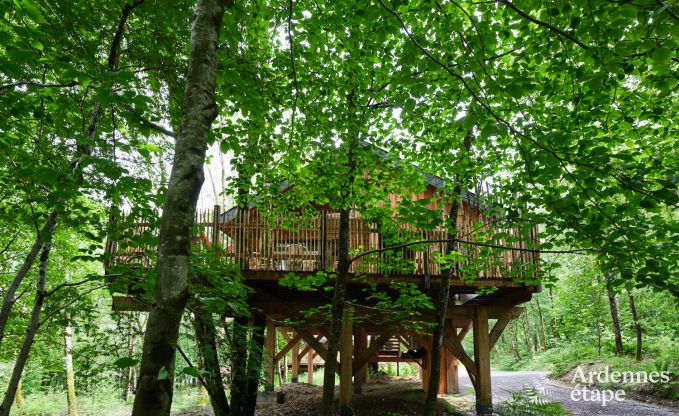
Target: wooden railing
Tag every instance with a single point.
(309, 243)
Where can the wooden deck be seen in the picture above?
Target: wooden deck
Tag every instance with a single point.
(267, 248)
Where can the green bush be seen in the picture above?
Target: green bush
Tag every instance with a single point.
(528, 402)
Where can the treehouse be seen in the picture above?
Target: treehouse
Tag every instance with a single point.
(492, 276)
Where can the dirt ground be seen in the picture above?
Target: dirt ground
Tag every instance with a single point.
(381, 397)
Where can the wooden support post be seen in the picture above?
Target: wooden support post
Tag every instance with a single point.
(360, 344)
(295, 363)
(310, 367)
(270, 347)
(484, 398)
(425, 342)
(443, 372)
(346, 350)
(453, 374)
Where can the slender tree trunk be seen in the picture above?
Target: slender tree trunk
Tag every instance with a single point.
(70, 375)
(8, 297)
(553, 323)
(199, 109)
(637, 325)
(441, 311)
(613, 304)
(128, 373)
(526, 334)
(206, 338)
(337, 314)
(33, 326)
(48, 226)
(515, 347)
(18, 397)
(254, 369)
(542, 324)
(443, 298)
(536, 332)
(239, 353)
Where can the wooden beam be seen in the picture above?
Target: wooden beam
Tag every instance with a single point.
(360, 344)
(270, 347)
(317, 346)
(403, 341)
(262, 275)
(295, 362)
(484, 398)
(453, 343)
(501, 324)
(310, 367)
(374, 347)
(292, 342)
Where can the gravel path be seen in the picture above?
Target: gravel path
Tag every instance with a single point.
(505, 382)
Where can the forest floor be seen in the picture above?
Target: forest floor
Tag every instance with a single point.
(382, 396)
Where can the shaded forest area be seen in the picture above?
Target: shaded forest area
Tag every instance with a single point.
(556, 120)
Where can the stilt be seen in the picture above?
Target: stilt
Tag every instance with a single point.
(346, 350)
(310, 367)
(270, 347)
(426, 361)
(484, 398)
(360, 344)
(295, 363)
(453, 375)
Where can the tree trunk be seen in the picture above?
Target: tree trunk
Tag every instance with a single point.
(612, 303)
(70, 376)
(47, 229)
(254, 365)
(18, 397)
(526, 334)
(515, 347)
(539, 344)
(33, 326)
(239, 353)
(337, 314)
(444, 293)
(441, 311)
(542, 324)
(637, 325)
(156, 374)
(127, 386)
(206, 338)
(8, 297)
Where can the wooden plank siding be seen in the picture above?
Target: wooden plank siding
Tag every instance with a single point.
(258, 242)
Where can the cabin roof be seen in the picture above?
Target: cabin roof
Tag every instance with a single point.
(432, 180)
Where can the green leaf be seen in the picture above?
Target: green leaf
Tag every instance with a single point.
(125, 362)
(33, 11)
(37, 44)
(190, 371)
(409, 105)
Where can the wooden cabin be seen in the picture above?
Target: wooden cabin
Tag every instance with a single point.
(268, 248)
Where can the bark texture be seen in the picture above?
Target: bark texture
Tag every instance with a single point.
(239, 353)
(76, 167)
(613, 305)
(337, 313)
(199, 109)
(443, 295)
(33, 326)
(441, 311)
(10, 292)
(68, 361)
(206, 338)
(637, 325)
(254, 369)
